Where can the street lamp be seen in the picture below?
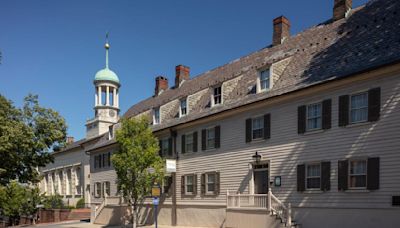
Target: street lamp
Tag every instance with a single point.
(256, 157)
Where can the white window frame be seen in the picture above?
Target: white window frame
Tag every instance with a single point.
(165, 146)
(208, 139)
(260, 80)
(313, 177)
(181, 113)
(358, 174)
(308, 128)
(207, 183)
(253, 129)
(97, 189)
(213, 96)
(106, 189)
(189, 146)
(358, 108)
(155, 119)
(186, 184)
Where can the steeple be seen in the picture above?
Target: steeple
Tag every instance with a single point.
(106, 100)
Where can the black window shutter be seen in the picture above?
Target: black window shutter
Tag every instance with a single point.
(170, 146)
(248, 130)
(194, 184)
(325, 176)
(301, 178)
(109, 159)
(160, 151)
(326, 114)
(343, 170)
(183, 144)
(217, 136)
(100, 162)
(183, 185)
(203, 139)
(343, 110)
(373, 173)
(104, 160)
(374, 104)
(301, 119)
(195, 141)
(267, 126)
(203, 184)
(217, 184)
(95, 161)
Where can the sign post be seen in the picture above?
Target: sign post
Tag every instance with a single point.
(156, 193)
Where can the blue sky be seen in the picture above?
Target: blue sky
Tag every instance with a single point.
(54, 48)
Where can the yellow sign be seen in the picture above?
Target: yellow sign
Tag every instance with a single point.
(155, 192)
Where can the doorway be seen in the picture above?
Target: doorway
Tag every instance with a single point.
(261, 178)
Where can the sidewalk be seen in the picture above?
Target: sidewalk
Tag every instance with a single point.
(79, 224)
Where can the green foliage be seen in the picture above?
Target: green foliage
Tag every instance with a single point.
(137, 152)
(17, 200)
(53, 202)
(80, 203)
(27, 135)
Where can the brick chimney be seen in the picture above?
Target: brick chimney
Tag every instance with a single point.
(70, 140)
(181, 73)
(341, 8)
(281, 30)
(161, 85)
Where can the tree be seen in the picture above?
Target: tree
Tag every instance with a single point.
(136, 163)
(17, 200)
(27, 135)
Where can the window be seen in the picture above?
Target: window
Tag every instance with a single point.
(183, 108)
(156, 116)
(210, 185)
(258, 128)
(264, 80)
(165, 147)
(358, 174)
(109, 159)
(217, 95)
(314, 116)
(359, 107)
(313, 176)
(189, 189)
(189, 143)
(97, 187)
(106, 189)
(210, 138)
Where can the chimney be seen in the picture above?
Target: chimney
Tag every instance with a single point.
(161, 85)
(181, 73)
(341, 8)
(281, 30)
(70, 140)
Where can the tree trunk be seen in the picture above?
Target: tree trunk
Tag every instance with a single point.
(134, 217)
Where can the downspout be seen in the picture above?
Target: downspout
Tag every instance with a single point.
(174, 209)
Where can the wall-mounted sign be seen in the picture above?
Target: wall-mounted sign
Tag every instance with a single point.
(277, 181)
(155, 191)
(171, 166)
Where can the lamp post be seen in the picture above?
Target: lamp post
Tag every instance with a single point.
(256, 157)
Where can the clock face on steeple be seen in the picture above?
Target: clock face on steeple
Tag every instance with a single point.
(112, 113)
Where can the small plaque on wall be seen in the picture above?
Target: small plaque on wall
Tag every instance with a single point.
(277, 181)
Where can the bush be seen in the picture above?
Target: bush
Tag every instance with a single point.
(53, 202)
(80, 203)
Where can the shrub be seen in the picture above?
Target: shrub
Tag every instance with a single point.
(80, 203)
(53, 202)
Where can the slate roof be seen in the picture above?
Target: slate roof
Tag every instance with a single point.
(76, 144)
(367, 39)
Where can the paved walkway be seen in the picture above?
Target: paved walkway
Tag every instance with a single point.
(79, 224)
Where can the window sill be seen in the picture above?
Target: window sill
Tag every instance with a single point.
(255, 141)
(350, 125)
(312, 132)
(188, 195)
(313, 191)
(357, 191)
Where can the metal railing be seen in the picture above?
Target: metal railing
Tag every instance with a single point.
(261, 201)
(109, 200)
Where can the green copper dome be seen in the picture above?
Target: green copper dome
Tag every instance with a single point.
(106, 75)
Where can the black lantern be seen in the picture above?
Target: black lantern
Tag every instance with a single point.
(256, 157)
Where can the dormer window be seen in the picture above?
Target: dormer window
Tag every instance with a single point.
(264, 80)
(110, 132)
(183, 110)
(217, 96)
(156, 115)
